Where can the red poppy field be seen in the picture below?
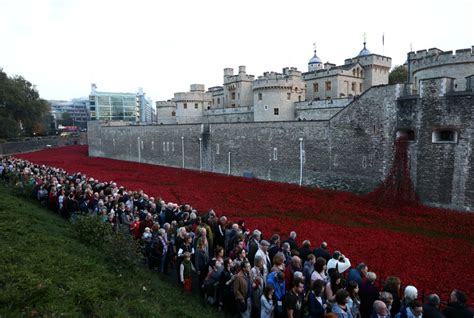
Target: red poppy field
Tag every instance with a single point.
(430, 248)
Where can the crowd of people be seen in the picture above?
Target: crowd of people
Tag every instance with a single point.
(237, 270)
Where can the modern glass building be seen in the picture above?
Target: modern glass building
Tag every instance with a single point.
(114, 106)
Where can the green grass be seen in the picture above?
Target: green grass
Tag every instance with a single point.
(46, 271)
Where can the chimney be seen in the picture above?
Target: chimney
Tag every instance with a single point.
(228, 71)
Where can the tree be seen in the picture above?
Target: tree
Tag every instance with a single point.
(21, 108)
(66, 119)
(398, 75)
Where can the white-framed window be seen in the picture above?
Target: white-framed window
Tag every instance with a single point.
(444, 136)
(152, 145)
(164, 146)
(218, 149)
(265, 107)
(275, 153)
(172, 146)
(276, 111)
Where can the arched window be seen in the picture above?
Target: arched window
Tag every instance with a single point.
(173, 113)
(444, 136)
(405, 134)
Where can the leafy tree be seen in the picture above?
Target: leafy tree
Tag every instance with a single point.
(398, 75)
(66, 119)
(21, 108)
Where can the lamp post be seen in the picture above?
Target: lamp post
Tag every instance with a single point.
(139, 149)
(182, 148)
(301, 161)
(200, 154)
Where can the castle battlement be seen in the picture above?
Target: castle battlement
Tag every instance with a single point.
(372, 59)
(191, 97)
(435, 57)
(242, 76)
(290, 77)
(165, 103)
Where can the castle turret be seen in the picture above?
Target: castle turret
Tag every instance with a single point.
(237, 88)
(275, 95)
(315, 63)
(437, 63)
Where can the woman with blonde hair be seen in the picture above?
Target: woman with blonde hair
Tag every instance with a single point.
(278, 262)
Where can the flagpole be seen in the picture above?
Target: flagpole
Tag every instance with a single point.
(383, 44)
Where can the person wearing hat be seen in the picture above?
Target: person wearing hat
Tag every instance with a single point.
(263, 253)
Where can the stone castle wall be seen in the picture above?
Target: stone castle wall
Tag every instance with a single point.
(351, 151)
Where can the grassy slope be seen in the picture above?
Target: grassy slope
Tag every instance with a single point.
(45, 270)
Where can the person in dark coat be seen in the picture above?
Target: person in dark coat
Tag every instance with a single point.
(305, 250)
(368, 293)
(431, 308)
(358, 273)
(219, 232)
(322, 251)
(392, 285)
(457, 306)
(292, 241)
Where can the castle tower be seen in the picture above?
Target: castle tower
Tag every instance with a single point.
(237, 88)
(190, 105)
(275, 95)
(376, 67)
(434, 62)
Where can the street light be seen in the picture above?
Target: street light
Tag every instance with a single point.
(182, 148)
(301, 161)
(200, 154)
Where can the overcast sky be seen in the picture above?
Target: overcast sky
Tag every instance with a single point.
(164, 46)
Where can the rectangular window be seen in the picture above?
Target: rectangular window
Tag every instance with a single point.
(185, 105)
(233, 95)
(259, 96)
(275, 153)
(276, 111)
(196, 105)
(218, 101)
(288, 96)
(316, 87)
(353, 86)
(445, 136)
(217, 149)
(328, 85)
(360, 87)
